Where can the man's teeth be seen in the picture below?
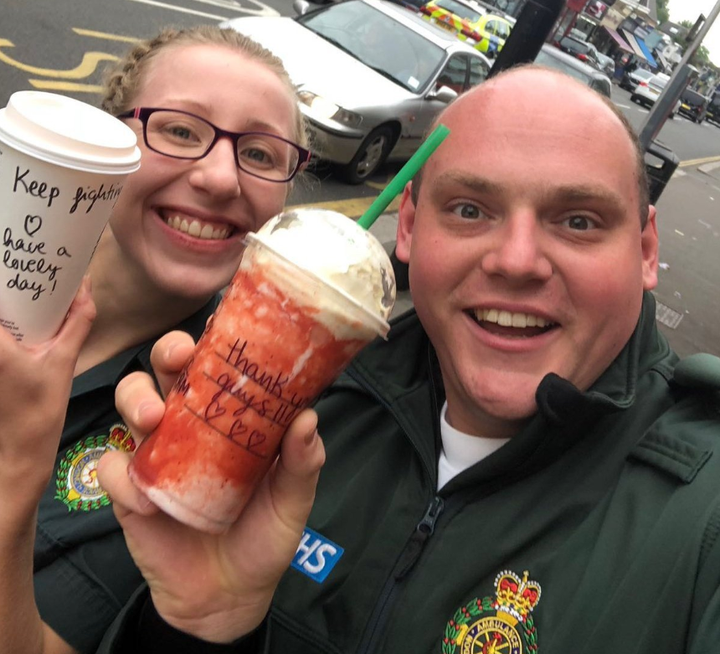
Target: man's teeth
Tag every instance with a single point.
(509, 319)
(197, 229)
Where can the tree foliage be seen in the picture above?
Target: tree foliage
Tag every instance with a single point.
(701, 57)
(662, 11)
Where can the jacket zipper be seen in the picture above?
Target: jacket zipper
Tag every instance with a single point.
(413, 548)
(405, 562)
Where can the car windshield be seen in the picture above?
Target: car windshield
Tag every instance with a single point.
(459, 9)
(386, 45)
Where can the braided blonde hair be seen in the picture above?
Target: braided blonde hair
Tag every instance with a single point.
(123, 81)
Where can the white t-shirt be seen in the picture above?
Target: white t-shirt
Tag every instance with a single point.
(460, 451)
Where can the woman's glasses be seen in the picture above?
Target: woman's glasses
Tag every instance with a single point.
(182, 135)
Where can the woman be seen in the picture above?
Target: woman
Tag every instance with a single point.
(221, 138)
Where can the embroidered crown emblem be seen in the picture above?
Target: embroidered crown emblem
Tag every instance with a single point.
(120, 438)
(502, 624)
(515, 596)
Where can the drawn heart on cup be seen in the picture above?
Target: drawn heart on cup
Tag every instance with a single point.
(32, 224)
(255, 440)
(213, 411)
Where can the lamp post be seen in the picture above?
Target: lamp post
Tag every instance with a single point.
(534, 22)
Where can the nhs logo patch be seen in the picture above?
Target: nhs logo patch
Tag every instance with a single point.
(316, 556)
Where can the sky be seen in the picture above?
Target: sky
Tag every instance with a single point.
(690, 10)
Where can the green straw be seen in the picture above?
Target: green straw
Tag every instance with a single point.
(406, 173)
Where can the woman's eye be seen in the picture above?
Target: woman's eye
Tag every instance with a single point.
(469, 211)
(580, 223)
(180, 133)
(258, 157)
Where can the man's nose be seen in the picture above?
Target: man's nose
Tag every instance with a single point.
(217, 172)
(517, 249)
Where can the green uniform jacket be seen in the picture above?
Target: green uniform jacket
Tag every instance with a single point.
(594, 530)
(83, 573)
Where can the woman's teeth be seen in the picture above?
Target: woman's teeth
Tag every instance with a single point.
(509, 319)
(198, 229)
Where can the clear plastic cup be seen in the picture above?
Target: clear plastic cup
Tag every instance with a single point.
(281, 334)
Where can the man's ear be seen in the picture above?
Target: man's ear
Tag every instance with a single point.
(406, 222)
(649, 241)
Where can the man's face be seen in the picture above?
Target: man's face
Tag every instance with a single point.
(526, 252)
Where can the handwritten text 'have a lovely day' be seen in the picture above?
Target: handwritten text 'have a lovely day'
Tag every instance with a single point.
(35, 262)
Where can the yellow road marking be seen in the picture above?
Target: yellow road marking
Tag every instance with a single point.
(194, 12)
(379, 185)
(71, 87)
(86, 68)
(352, 208)
(105, 35)
(698, 162)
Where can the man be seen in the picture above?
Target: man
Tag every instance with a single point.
(518, 469)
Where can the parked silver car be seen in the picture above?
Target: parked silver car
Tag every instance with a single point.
(647, 92)
(553, 57)
(631, 79)
(371, 77)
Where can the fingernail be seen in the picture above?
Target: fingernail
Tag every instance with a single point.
(310, 437)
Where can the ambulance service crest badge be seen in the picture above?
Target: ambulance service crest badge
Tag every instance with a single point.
(76, 482)
(496, 625)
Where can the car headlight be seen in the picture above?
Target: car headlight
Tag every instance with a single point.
(326, 109)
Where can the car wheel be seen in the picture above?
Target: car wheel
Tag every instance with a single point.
(370, 155)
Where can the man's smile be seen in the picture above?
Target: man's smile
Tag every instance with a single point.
(511, 324)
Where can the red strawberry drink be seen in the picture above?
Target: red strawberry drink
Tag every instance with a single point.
(312, 289)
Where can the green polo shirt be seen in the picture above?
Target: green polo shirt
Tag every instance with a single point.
(83, 572)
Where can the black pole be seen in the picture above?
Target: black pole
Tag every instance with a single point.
(534, 23)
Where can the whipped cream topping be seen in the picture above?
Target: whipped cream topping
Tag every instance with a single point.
(338, 251)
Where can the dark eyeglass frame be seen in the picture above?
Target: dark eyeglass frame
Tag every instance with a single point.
(143, 115)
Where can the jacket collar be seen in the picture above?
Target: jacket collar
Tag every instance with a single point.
(404, 373)
(561, 402)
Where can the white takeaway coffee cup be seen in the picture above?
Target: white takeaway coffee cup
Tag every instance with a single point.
(62, 166)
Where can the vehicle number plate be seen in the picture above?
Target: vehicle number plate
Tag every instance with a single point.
(444, 23)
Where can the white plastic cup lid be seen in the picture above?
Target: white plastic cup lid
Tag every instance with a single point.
(67, 132)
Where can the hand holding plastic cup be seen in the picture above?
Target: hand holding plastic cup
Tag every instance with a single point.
(312, 289)
(62, 167)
